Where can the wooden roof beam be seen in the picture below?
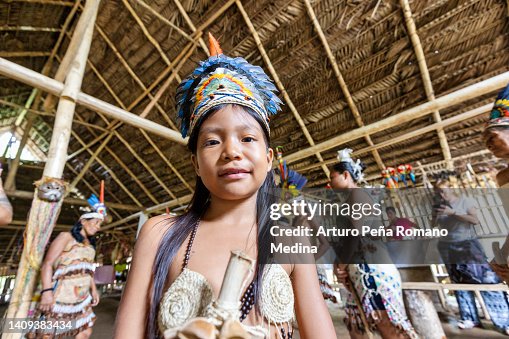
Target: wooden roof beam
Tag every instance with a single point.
(24, 54)
(26, 195)
(6, 28)
(275, 76)
(448, 100)
(426, 79)
(44, 2)
(433, 127)
(34, 79)
(341, 82)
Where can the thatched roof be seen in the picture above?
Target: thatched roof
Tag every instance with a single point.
(463, 41)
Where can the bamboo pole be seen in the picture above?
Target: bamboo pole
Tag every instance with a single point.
(71, 201)
(278, 82)
(448, 100)
(54, 87)
(43, 214)
(341, 82)
(44, 2)
(24, 54)
(36, 112)
(444, 123)
(6, 28)
(172, 203)
(71, 52)
(426, 79)
(35, 98)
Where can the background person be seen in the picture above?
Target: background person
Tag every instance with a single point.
(67, 274)
(465, 259)
(377, 285)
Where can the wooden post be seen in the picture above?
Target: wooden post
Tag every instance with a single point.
(342, 83)
(426, 79)
(43, 214)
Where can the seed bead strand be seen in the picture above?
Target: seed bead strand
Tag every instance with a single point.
(189, 245)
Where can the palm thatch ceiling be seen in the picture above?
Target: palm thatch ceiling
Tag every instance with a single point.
(137, 42)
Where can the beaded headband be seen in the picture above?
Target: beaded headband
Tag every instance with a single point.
(499, 115)
(224, 80)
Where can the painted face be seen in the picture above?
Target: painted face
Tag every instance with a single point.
(232, 158)
(497, 141)
(340, 180)
(91, 226)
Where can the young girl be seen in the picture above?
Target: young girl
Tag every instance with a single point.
(179, 263)
(68, 289)
(377, 285)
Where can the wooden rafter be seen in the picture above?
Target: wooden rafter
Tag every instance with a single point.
(44, 2)
(28, 29)
(24, 54)
(279, 83)
(34, 79)
(341, 82)
(392, 141)
(426, 79)
(448, 100)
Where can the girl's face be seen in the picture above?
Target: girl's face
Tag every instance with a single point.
(497, 141)
(91, 226)
(232, 157)
(340, 180)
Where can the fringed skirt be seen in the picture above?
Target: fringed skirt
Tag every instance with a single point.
(379, 290)
(71, 312)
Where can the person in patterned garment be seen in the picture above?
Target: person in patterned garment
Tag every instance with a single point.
(68, 289)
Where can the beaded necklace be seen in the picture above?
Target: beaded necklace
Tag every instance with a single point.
(248, 297)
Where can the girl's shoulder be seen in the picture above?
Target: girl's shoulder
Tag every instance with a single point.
(155, 227)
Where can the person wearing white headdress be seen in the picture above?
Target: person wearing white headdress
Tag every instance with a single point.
(67, 274)
(378, 286)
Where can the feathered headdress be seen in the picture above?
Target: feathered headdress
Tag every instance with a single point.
(289, 179)
(499, 115)
(97, 204)
(356, 166)
(224, 80)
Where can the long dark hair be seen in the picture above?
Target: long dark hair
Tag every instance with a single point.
(182, 226)
(76, 233)
(343, 166)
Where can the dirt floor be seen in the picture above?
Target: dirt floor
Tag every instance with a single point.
(107, 309)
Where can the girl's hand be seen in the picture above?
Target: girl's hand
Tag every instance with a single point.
(95, 298)
(46, 303)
